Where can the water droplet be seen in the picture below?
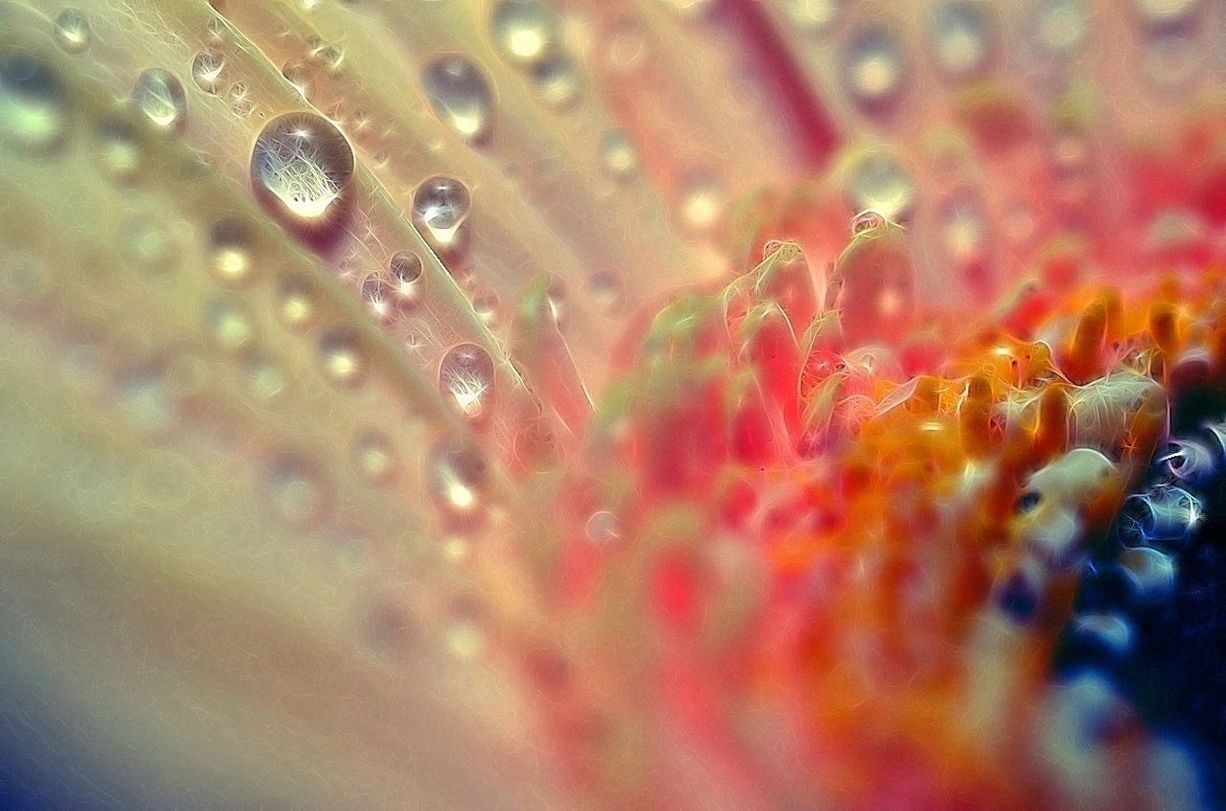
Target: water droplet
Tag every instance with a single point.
(297, 493)
(405, 267)
(1172, 60)
(374, 458)
(72, 32)
(342, 358)
(558, 81)
(230, 326)
(466, 378)
(618, 156)
(158, 94)
(265, 379)
(230, 244)
(874, 69)
(145, 400)
(207, 69)
(485, 305)
(702, 202)
(602, 527)
(302, 168)
(524, 30)
(963, 231)
(32, 103)
(441, 205)
(1167, 13)
(460, 96)
(120, 150)
(960, 38)
(298, 73)
(812, 16)
(147, 243)
(877, 182)
(296, 301)
(242, 102)
(379, 295)
(457, 480)
(1061, 26)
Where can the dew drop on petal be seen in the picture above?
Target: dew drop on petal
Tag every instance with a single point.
(302, 168)
(72, 31)
(158, 94)
(466, 379)
(33, 108)
(460, 95)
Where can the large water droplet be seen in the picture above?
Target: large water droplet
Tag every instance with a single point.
(441, 205)
(1167, 13)
(960, 38)
(207, 70)
(302, 168)
(874, 69)
(159, 95)
(524, 30)
(341, 357)
(72, 31)
(32, 105)
(460, 96)
(466, 379)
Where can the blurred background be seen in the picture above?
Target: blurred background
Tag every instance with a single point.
(612, 403)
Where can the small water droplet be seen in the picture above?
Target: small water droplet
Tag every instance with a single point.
(120, 150)
(159, 95)
(380, 296)
(960, 38)
(302, 168)
(147, 243)
(298, 73)
(877, 182)
(460, 96)
(230, 246)
(812, 17)
(207, 69)
(230, 326)
(72, 31)
(1061, 26)
(297, 493)
(466, 378)
(242, 102)
(405, 267)
(342, 358)
(874, 69)
(603, 527)
(441, 205)
(374, 458)
(265, 379)
(458, 480)
(296, 301)
(33, 111)
(524, 30)
(702, 203)
(618, 155)
(558, 81)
